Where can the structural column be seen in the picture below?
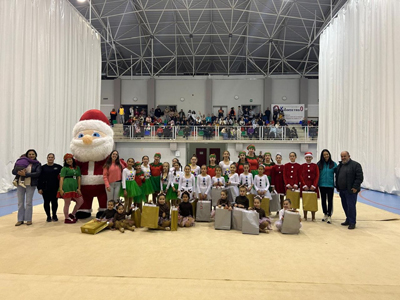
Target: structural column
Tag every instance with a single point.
(209, 84)
(151, 93)
(303, 91)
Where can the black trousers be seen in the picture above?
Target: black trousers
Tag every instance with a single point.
(50, 197)
(326, 192)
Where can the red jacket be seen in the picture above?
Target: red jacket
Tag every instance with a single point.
(92, 172)
(309, 175)
(156, 170)
(291, 174)
(277, 178)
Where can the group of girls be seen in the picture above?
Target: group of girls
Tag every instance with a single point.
(260, 175)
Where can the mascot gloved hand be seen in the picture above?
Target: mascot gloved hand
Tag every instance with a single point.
(91, 144)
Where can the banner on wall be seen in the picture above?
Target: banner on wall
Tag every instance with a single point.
(294, 113)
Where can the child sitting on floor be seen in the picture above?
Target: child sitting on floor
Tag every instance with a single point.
(108, 214)
(185, 218)
(120, 221)
(287, 205)
(265, 222)
(242, 201)
(164, 220)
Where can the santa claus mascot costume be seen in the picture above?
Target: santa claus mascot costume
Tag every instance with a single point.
(91, 144)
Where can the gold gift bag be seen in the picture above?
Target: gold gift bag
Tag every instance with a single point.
(93, 227)
(136, 216)
(265, 205)
(174, 219)
(150, 216)
(251, 199)
(310, 202)
(294, 197)
(194, 206)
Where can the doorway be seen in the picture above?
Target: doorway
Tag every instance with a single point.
(203, 152)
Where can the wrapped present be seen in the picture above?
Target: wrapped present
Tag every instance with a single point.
(93, 227)
(215, 195)
(310, 201)
(149, 216)
(203, 211)
(265, 205)
(222, 219)
(294, 197)
(174, 219)
(251, 199)
(291, 222)
(194, 204)
(237, 218)
(250, 222)
(274, 203)
(136, 216)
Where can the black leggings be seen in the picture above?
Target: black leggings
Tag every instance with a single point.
(50, 197)
(326, 191)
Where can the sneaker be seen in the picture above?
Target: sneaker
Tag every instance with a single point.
(352, 226)
(48, 219)
(29, 223)
(15, 183)
(71, 216)
(324, 218)
(345, 223)
(55, 219)
(329, 221)
(19, 223)
(69, 221)
(122, 230)
(22, 184)
(167, 228)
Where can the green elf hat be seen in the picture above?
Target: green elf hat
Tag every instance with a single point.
(138, 163)
(251, 147)
(157, 155)
(213, 155)
(242, 152)
(269, 153)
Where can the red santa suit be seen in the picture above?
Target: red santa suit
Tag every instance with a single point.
(91, 144)
(309, 176)
(291, 174)
(277, 178)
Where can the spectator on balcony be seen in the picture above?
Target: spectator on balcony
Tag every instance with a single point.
(239, 112)
(181, 114)
(131, 112)
(282, 122)
(113, 116)
(189, 115)
(267, 115)
(122, 114)
(220, 112)
(242, 122)
(251, 114)
(208, 119)
(151, 113)
(232, 112)
(157, 112)
(275, 115)
(246, 113)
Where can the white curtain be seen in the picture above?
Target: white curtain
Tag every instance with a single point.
(359, 92)
(50, 66)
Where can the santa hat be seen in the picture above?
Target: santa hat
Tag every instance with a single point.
(93, 119)
(308, 154)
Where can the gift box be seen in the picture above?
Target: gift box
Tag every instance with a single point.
(136, 216)
(251, 199)
(215, 195)
(250, 222)
(203, 211)
(294, 197)
(291, 222)
(310, 201)
(274, 203)
(237, 218)
(265, 205)
(93, 227)
(174, 219)
(194, 205)
(150, 216)
(223, 219)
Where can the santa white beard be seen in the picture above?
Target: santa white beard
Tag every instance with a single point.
(97, 151)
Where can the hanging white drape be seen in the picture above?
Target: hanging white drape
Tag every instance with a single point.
(50, 73)
(359, 89)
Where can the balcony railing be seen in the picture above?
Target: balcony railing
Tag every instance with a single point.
(294, 133)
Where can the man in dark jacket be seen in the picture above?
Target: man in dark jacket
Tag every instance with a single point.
(349, 176)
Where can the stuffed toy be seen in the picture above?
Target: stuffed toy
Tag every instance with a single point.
(91, 144)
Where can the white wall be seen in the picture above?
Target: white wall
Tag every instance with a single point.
(134, 88)
(107, 96)
(288, 87)
(169, 91)
(313, 91)
(138, 150)
(224, 91)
